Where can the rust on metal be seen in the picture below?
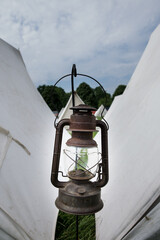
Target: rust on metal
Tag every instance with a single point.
(79, 199)
(82, 125)
(79, 195)
(80, 175)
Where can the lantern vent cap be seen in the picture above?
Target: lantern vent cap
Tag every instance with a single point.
(83, 107)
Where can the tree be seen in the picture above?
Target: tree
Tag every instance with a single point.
(55, 97)
(63, 95)
(41, 88)
(119, 90)
(87, 94)
(102, 97)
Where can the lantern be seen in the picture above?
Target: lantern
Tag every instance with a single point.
(88, 173)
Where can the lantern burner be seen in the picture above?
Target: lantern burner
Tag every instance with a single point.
(80, 175)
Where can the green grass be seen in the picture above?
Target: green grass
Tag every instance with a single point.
(99, 118)
(66, 227)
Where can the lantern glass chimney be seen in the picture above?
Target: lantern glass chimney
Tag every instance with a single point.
(81, 162)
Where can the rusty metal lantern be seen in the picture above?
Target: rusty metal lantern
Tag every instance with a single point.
(81, 194)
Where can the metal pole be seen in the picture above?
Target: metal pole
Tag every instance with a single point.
(76, 227)
(74, 74)
(76, 215)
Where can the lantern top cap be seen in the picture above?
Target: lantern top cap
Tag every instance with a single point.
(83, 107)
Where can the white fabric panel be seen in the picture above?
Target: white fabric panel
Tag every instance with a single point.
(99, 111)
(148, 228)
(134, 136)
(5, 140)
(66, 111)
(5, 236)
(114, 105)
(59, 114)
(27, 209)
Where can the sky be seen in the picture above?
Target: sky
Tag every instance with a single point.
(104, 38)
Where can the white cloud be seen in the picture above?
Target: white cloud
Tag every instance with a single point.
(105, 38)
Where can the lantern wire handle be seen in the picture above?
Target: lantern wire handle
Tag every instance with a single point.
(75, 74)
(86, 170)
(67, 75)
(84, 75)
(78, 158)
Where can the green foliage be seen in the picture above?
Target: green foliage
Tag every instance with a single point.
(95, 133)
(86, 93)
(99, 93)
(106, 101)
(102, 98)
(66, 227)
(99, 118)
(119, 90)
(55, 97)
(94, 97)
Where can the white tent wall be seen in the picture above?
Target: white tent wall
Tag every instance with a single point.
(27, 209)
(134, 136)
(60, 113)
(65, 162)
(114, 105)
(66, 111)
(148, 228)
(99, 111)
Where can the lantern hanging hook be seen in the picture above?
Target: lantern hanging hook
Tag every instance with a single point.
(73, 74)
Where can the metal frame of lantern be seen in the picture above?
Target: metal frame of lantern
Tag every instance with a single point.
(79, 195)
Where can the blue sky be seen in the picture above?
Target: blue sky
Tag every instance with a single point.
(105, 38)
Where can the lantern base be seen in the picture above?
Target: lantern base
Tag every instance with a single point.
(79, 199)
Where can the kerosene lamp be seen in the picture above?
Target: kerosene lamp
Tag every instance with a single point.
(88, 171)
